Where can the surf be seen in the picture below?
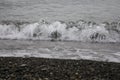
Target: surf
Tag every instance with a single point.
(84, 31)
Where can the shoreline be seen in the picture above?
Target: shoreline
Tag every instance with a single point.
(12, 68)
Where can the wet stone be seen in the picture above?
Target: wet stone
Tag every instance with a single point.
(56, 69)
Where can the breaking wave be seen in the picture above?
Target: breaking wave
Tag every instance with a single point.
(81, 30)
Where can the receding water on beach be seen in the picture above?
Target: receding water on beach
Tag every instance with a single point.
(109, 52)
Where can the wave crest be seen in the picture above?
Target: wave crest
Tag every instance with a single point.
(59, 30)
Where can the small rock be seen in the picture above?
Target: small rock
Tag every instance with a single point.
(23, 65)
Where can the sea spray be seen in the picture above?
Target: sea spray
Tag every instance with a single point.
(59, 30)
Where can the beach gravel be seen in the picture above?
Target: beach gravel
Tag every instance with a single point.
(12, 68)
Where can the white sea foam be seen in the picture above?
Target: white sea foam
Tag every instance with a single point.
(78, 54)
(77, 31)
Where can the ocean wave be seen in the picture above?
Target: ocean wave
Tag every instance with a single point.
(85, 31)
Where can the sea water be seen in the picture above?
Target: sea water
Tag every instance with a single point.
(93, 25)
(63, 31)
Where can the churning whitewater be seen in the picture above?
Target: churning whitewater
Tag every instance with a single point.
(81, 30)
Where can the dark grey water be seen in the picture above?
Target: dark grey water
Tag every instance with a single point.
(33, 10)
(65, 10)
